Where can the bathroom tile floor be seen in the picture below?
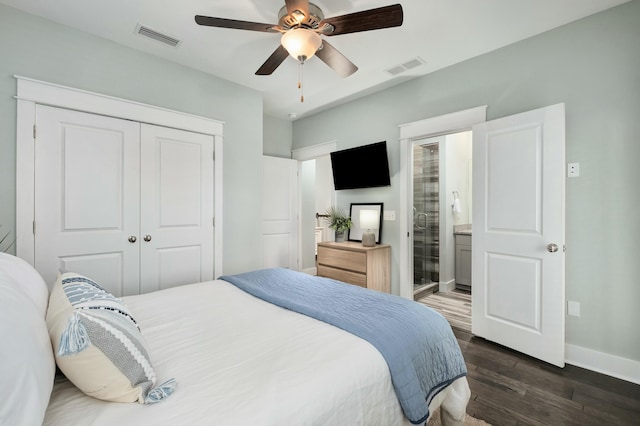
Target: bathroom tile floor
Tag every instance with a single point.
(454, 305)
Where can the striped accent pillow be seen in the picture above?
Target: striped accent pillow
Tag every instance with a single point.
(98, 344)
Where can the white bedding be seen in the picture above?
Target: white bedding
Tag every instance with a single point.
(238, 360)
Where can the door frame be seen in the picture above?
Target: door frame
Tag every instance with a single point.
(31, 92)
(455, 122)
(302, 155)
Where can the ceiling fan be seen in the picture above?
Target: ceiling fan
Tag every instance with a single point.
(301, 24)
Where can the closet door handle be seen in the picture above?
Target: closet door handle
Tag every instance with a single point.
(552, 248)
(147, 238)
(132, 239)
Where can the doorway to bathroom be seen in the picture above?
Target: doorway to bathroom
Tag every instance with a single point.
(441, 205)
(441, 177)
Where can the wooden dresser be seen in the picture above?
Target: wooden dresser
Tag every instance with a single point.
(352, 263)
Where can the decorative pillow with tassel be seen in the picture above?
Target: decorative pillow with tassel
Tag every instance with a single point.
(98, 344)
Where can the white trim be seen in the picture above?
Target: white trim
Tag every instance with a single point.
(45, 93)
(31, 92)
(25, 180)
(315, 151)
(435, 126)
(611, 365)
(446, 286)
(218, 230)
(448, 123)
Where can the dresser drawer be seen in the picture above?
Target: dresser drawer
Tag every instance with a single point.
(343, 259)
(342, 275)
(352, 263)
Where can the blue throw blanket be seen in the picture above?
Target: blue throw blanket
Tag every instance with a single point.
(417, 342)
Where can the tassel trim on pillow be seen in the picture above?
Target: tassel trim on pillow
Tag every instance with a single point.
(74, 338)
(161, 392)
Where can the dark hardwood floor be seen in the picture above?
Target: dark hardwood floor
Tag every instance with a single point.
(509, 388)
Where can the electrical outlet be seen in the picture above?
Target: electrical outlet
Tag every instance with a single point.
(573, 308)
(573, 169)
(389, 215)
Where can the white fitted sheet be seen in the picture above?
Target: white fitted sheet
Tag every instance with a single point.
(239, 360)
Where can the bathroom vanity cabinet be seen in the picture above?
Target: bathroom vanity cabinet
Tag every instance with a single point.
(463, 260)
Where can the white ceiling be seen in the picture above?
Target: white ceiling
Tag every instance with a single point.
(440, 32)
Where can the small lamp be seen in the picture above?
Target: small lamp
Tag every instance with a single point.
(369, 220)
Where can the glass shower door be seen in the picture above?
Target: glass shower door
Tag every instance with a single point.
(426, 214)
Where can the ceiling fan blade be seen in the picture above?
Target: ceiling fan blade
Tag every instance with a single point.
(301, 5)
(273, 61)
(336, 60)
(210, 21)
(372, 19)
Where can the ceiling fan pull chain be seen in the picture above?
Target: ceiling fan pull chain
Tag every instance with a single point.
(300, 79)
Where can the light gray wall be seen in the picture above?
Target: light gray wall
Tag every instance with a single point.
(277, 136)
(40, 49)
(593, 66)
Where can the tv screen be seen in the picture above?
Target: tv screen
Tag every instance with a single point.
(365, 166)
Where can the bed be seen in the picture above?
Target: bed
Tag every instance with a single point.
(236, 359)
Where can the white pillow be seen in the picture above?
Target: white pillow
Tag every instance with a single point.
(27, 280)
(98, 345)
(27, 366)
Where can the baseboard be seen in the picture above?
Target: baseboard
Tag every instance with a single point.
(310, 271)
(611, 365)
(447, 285)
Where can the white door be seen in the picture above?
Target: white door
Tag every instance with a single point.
(87, 170)
(518, 232)
(279, 212)
(176, 208)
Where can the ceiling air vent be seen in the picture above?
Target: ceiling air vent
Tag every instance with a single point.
(396, 70)
(157, 36)
(413, 63)
(399, 69)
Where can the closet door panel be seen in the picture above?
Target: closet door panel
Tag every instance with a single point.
(176, 207)
(86, 197)
(107, 269)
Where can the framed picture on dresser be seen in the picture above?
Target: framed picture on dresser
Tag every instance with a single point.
(365, 216)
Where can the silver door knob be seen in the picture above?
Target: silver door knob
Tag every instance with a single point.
(552, 248)
(147, 238)
(132, 239)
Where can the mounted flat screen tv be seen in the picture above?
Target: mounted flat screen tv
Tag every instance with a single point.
(365, 166)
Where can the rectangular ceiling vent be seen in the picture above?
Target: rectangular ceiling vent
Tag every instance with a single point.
(396, 70)
(413, 63)
(399, 69)
(157, 36)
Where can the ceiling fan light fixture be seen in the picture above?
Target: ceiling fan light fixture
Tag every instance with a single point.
(301, 43)
(298, 16)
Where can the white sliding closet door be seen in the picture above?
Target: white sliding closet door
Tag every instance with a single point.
(87, 183)
(176, 207)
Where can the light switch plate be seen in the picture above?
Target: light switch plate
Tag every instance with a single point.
(573, 308)
(389, 215)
